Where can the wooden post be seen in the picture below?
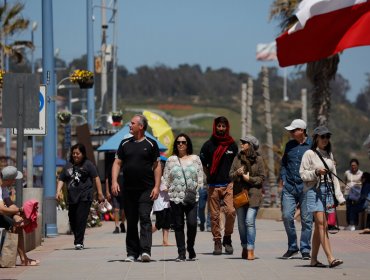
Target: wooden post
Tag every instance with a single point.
(271, 165)
(249, 105)
(244, 109)
(304, 104)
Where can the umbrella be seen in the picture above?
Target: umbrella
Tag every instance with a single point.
(113, 142)
(161, 130)
(38, 161)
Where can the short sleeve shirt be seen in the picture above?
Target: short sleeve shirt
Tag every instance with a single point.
(137, 159)
(79, 179)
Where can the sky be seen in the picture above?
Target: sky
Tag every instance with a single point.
(210, 33)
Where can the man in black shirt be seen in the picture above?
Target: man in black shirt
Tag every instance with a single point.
(138, 157)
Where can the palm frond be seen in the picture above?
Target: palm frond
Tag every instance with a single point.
(13, 12)
(16, 26)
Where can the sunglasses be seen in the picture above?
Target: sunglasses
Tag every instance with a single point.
(181, 142)
(325, 136)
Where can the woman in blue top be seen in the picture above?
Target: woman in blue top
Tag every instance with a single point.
(183, 170)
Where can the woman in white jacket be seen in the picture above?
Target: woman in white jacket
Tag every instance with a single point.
(321, 187)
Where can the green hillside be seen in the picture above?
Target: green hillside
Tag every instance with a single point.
(349, 126)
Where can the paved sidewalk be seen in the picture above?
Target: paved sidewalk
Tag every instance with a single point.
(105, 252)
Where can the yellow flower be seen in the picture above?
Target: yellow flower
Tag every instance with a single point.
(2, 72)
(81, 76)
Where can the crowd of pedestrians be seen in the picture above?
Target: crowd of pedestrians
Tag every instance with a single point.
(188, 189)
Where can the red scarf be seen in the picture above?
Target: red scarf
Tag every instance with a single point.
(223, 142)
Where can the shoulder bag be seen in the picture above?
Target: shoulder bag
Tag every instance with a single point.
(241, 199)
(190, 197)
(9, 249)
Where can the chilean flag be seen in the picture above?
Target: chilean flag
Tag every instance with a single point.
(324, 28)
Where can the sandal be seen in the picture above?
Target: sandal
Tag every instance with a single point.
(30, 262)
(335, 263)
(318, 264)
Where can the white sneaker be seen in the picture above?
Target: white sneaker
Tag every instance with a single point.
(350, 228)
(130, 259)
(79, 246)
(145, 257)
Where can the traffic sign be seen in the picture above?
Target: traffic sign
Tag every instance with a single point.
(41, 130)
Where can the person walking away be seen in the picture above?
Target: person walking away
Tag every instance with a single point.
(162, 211)
(322, 187)
(203, 210)
(217, 155)
(352, 193)
(292, 193)
(183, 172)
(248, 173)
(117, 201)
(79, 174)
(138, 157)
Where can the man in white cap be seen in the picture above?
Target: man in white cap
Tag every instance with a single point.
(11, 216)
(292, 194)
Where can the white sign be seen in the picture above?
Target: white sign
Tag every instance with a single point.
(42, 116)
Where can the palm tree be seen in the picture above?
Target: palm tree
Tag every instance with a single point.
(320, 73)
(12, 23)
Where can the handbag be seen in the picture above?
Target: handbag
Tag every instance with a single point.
(241, 199)
(9, 250)
(190, 197)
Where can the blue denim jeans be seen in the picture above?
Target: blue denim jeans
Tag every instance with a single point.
(203, 196)
(247, 226)
(289, 202)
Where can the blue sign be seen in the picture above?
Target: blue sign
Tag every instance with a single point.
(42, 101)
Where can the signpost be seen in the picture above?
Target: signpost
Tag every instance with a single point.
(42, 129)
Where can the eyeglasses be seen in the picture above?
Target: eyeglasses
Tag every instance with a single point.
(181, 142)
(325, 136)
(243, 142)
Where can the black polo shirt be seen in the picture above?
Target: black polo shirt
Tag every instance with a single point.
(137, 159)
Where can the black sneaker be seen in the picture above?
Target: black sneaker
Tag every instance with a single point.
(116, 230)
(192, 254)
(201, 227)
(181, 258)
(306, 256)
(289, 254)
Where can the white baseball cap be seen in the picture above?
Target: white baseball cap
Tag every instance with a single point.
(297, 123)
(11, 173)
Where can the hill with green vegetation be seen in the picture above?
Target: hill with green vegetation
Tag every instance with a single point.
(348, 125)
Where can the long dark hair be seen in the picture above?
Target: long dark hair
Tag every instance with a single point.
(314, 144)
(81, 148)
(189, 145)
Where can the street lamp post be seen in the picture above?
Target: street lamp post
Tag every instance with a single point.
(34, 27)
(49, 164)
(90, 62)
